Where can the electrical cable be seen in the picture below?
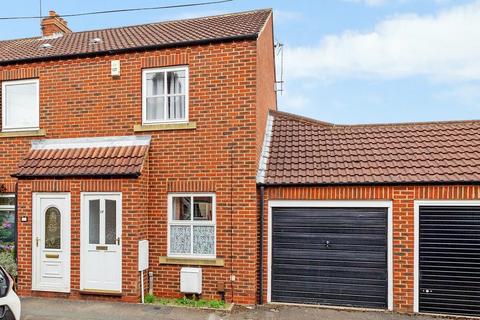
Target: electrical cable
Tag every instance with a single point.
(197, 4)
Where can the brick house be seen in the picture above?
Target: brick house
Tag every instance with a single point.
(149, 132)
(169, 132)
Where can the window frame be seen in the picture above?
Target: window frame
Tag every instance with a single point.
(5, 84)
(11, 208)
(192, 223)
(145, 121)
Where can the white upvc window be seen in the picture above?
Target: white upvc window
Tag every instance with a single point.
(20, 105)
(165, 95)
(192, 225)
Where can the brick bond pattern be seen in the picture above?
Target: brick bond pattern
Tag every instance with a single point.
(79, 98)
(402, 198)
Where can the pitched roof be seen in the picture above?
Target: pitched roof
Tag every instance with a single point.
(305, 151)
(239, 26)
(73, 158)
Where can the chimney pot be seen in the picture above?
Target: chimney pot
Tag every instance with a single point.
(54, 24)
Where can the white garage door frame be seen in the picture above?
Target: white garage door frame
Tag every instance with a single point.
(417, 205)
(327, 204)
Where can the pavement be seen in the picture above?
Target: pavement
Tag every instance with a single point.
(60, 309)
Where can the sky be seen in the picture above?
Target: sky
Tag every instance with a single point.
(344, 61)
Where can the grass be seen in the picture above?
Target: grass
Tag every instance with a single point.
(187, 302)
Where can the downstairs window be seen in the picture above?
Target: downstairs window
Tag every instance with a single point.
(191, 225)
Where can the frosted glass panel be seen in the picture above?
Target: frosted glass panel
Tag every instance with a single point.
(22, 106)
(176, 108)
(155, 108)
(180, 239)
(53, 227)
(204, 240)
(110, 221)
(94, 221)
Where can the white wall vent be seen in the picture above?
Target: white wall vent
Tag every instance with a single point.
(191, 280)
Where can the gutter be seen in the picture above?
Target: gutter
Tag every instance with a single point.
(365, 184)
(260, 267)
(252, 36)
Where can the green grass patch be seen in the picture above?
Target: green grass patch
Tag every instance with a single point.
(187, 302)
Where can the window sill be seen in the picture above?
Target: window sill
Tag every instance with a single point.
(164, 127)
(29, 133)
(218, 262)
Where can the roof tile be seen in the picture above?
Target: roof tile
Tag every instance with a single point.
(95, 161)
(305, 151)
(179, 32)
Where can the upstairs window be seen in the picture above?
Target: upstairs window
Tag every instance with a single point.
(165, 95)
(20, 105)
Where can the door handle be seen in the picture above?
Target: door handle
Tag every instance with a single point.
(37, 240)
(118, 241)
(327, 244)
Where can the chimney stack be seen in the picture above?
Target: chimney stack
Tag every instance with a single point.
(54, 24)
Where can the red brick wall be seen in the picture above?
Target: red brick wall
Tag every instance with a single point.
(79, 98)
(403, 198)
(266, 96)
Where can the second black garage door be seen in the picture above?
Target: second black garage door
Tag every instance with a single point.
(450, 260)
(330, 256)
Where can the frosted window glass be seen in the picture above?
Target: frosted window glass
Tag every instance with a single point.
(21, 110)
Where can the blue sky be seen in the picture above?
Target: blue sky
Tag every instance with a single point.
(346, 61)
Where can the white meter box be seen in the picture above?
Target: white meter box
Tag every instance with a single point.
(191, 280)
(143, 255)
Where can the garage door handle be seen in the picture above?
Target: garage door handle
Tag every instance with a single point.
(327, 244)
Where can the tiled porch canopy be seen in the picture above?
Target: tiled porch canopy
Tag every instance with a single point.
(83, 157)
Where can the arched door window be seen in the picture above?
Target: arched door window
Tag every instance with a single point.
(52, 228)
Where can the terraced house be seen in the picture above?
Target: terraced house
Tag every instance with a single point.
(167, 137)
(150, 132)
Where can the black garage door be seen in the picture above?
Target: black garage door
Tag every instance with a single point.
(330, 256)
(449, 260)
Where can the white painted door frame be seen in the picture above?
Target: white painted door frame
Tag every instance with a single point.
(334, 203)
(417, 205)
(45, 262)
(84, 237)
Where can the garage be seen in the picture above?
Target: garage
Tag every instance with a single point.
(335, 256)
(449, 259)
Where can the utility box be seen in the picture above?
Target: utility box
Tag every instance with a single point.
(115, 70)
(191, 280)
(142, 255)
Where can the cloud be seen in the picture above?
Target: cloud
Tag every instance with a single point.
(444, 46)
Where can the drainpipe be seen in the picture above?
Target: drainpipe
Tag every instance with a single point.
(260, 271)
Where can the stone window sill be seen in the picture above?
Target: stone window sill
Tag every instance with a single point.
(30, 133)
(164, 127)
(218, 262)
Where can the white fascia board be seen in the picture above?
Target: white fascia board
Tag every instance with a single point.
(96, 142)
(262, 166)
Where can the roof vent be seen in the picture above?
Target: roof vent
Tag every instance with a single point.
(96, 40)
(45, 45)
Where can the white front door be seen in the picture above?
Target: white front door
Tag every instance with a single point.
(51, 242)
(101, 246)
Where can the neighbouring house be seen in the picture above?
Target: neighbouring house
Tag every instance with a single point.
(168, 132)
(149, 132)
